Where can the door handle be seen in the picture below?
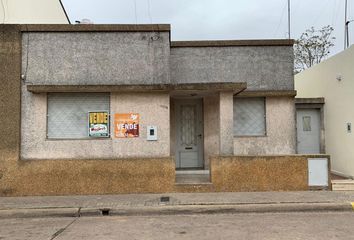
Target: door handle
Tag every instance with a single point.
(200, 135)
(188, 148)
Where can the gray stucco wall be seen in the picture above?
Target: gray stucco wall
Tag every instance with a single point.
(226, 123)
(211, 111)
(281, 132)
(152, 107)
(89, 58)
(113, 58)
(263, 68)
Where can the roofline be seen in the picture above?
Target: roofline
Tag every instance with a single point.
(227, 43)
(92, 27)
(208, 87)
(143, 28)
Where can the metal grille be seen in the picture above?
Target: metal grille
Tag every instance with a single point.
(188, 124)
(68, 113)
(249, 116)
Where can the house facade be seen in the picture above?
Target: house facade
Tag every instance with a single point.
(328, 90)
(120, 108)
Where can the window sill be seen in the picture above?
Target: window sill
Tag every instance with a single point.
(250, 136)
(78, 139)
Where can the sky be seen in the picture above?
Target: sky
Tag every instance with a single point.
(220, 19)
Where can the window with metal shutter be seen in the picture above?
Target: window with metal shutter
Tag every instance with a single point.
(68, 113)
(249, 117)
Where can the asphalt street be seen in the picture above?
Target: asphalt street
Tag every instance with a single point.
(306, 225)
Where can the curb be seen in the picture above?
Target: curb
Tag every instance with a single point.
(39, 213)
(214, 209)
(177, 210)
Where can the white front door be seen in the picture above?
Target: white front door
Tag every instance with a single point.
(189, 133)
(308, 131)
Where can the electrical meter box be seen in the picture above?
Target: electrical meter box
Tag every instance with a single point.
(151, 133)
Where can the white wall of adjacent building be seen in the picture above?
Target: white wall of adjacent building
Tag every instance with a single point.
(333, 79)
(32, 12)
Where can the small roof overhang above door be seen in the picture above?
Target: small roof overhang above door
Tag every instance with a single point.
(202, 89)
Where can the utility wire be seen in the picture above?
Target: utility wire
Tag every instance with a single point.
(149, 11)
(295, 9)
(334, 12)
(320, 12)
(281, 19)
(136, 15)
(289, 20)
(338, 9)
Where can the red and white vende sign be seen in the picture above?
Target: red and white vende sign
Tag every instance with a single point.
(126, 125)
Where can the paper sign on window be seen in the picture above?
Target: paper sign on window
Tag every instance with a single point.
(126, 125)
(98, 124)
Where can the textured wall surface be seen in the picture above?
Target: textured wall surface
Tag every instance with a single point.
(259, 173)
(226, 123)
(280, 127)
(172, 127)
(263, 68)
(152, 107)
(96, 58)
(10, 97)
(211, 128)
(65, 177)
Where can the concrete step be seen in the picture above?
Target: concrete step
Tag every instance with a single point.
(343, 185)
(193, 181)
(194, 188)
(193, 177)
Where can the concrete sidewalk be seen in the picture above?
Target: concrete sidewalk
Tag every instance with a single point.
(175, 203)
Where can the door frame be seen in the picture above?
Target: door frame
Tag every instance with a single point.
(200, 111)
(317, 104)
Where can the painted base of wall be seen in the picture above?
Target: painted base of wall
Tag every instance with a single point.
(260, 173)
(74, 177)
(151, 175)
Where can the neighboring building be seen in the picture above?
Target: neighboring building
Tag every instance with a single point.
(32, 12)
(117, 108)
(328, 91)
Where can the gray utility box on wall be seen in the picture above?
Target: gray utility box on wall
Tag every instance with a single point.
(318, 172)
